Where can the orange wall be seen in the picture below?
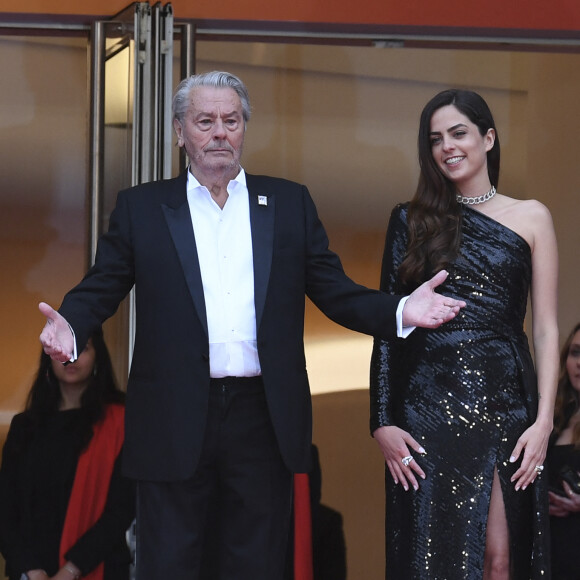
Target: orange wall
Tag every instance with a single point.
(557, 15)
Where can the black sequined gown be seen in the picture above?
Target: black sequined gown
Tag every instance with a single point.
(466, 391)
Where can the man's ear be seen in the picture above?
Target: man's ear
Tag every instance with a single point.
(178, 131)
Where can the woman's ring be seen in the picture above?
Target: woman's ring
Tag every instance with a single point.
(538, 469)
(406, 460)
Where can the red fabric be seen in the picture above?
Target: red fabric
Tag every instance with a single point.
(91, 483)
(303, 569)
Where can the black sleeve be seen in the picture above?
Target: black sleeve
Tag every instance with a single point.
(108, 281)
(384, 354)
(108, 533)
(9, 487)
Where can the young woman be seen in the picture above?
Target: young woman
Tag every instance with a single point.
(564, 465)
(64, 506)
(457, 411)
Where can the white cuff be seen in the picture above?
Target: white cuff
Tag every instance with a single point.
(403, 331)
(75, 353)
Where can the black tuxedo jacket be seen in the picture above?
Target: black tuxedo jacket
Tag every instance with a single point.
(151, 244)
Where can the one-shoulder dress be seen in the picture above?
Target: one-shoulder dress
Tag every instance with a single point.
(466, 391)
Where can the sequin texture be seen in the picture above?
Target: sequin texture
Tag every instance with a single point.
(466, 391)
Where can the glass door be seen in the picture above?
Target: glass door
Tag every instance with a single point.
(132, 64)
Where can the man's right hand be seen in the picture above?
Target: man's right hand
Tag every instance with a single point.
(56, 337)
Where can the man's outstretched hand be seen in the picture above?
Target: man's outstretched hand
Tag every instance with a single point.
(56, 336)
(428, 309)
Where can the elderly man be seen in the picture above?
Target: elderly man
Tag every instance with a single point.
(218, 394)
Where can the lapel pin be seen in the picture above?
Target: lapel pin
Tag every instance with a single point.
(262, 200)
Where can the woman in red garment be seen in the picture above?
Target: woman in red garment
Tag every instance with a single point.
(64, 506)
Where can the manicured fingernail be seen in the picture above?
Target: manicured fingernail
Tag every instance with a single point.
(422, 451)
(512, 459)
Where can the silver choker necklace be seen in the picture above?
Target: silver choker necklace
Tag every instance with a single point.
(476, 200)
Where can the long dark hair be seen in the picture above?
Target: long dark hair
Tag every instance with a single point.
(434, 216)
(44, 397)
(567, 397)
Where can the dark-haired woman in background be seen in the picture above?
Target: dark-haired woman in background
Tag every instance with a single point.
(64, 506)
(564, 465)
(457, 412)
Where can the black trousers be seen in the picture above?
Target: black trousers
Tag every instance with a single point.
(234, 513)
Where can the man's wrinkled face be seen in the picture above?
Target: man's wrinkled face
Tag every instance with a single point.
(212, 130)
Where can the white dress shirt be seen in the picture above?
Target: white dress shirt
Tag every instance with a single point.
(224, 247)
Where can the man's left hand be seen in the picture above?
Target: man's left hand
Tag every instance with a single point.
(428, 309)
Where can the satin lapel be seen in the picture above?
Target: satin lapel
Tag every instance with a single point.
(178, 219)
(262, 214)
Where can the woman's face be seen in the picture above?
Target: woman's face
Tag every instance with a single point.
(458, 148)
(573, 361)
(78, 372)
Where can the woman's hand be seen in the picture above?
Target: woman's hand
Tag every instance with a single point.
(561, 506)
(534, 444)
(63, 574)
(395, 444)
(37, 575)
(68, 572)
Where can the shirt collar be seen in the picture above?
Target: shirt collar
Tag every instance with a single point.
(240, 179)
